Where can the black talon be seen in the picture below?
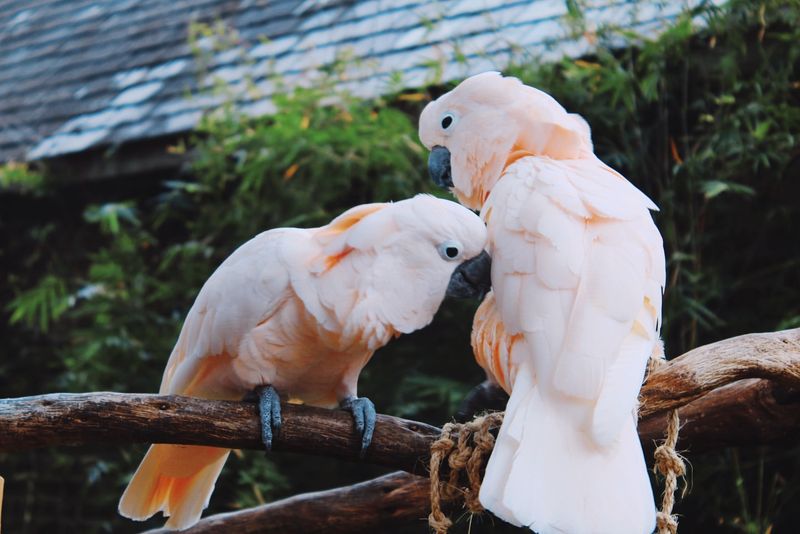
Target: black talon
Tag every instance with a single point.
(364, 417)
(269, 407)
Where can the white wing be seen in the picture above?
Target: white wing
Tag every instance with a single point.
(244, 290)
(578, 266)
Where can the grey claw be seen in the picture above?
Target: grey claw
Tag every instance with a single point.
(364, 417)
(269, 407)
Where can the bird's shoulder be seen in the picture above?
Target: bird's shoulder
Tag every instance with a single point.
(584, 188)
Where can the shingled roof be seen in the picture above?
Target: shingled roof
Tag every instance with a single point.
(82, 74)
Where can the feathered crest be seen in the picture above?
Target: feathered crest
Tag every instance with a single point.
(336, 239)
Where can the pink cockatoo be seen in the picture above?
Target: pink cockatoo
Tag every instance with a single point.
(577, 274)
(298, 313)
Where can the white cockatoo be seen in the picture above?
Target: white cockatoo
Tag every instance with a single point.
(577, 274)
(297, 313)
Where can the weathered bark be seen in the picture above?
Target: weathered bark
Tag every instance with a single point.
(774, 356)
(744, 390)
(370, 506)
(748, 412)
(119, 418)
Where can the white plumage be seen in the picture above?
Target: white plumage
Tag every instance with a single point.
(577, 276)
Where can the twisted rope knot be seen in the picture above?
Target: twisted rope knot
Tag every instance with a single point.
(666, 523)
(669, 461)
(464, 446)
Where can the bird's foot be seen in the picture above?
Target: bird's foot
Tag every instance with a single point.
(269, 408)
(364, 417)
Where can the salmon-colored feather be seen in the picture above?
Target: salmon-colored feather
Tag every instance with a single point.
(491, 344)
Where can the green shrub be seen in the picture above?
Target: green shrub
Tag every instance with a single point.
(704, 119)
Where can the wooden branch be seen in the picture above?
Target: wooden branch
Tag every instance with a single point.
(748, 412)
(744, 390)
(119, 418)
(365, 507)
(774, 355)
(76, 419)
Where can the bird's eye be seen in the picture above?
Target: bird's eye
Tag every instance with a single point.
(450, 250)
(447, 120)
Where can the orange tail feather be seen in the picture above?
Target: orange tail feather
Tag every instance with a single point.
(176, 480)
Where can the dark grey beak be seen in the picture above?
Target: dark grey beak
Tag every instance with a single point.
(439, 167)
(471, 279)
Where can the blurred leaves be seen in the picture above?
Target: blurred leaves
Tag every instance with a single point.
(704, 119)
(420, 392)
(346, 152)
(712, 188)
(108, 216)
(20, 177)
(39, 306)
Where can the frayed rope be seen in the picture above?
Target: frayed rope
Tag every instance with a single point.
(464, 446)
(668, 463)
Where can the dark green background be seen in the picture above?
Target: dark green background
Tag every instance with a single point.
(98, 276)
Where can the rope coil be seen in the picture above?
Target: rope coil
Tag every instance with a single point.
(464, 446)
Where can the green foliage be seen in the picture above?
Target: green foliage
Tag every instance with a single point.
(40, 305)
(421, 391)
(347, 151)
(261, 476)
(97, 283)
(20, 177)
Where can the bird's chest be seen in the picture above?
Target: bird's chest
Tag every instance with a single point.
(292, 352)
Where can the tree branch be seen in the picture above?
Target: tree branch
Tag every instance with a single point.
(120, 418)
(743, 390)
(90, 418)
(774, 356)
(370, 506)
(747, 412)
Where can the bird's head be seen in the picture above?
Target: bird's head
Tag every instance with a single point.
(409, 255)
(488, 121)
